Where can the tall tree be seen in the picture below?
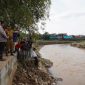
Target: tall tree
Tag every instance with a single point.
(25, 13)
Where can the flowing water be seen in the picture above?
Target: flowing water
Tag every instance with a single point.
(68, 63)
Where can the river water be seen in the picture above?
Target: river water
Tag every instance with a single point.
(68, 63)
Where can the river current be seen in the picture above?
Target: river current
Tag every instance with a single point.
(68, 63)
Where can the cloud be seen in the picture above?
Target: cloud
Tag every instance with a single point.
(72, 15)
(67, 16)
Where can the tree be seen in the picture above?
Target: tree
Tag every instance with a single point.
(24, 13)
(46, 36)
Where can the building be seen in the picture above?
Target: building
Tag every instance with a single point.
(53, 37)
(61, 36)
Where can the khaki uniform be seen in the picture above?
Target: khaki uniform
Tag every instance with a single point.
(10, 44)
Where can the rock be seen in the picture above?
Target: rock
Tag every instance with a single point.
(47, 63)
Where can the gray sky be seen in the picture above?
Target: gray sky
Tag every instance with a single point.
(67, 16)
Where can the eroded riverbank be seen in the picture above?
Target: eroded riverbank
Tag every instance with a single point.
(29, 74)
(79, 45)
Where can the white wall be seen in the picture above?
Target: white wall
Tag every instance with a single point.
(7, 70)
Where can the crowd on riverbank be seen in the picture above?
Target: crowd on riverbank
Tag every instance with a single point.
(8, 39)
(30, 71)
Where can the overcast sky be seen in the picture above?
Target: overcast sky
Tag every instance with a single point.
(67, 16)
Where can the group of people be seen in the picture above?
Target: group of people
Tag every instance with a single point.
(8, 38)
(22, 48)
(9, 43)
(25, 51)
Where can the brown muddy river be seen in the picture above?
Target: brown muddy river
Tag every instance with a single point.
(68, 63)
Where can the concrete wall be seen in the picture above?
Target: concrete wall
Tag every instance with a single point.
(7, 70)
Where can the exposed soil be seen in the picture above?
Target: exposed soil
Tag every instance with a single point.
(28, 74)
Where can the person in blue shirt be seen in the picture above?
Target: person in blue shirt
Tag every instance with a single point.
(15, 35)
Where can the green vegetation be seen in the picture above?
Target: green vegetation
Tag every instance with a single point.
(47, 42)
(24, 13)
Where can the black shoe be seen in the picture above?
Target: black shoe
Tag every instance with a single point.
(14, 51)
(6, 54)
(12, 54)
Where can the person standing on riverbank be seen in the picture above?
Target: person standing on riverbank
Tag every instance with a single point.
(35, 56)
(3, 39)
(10, 43)
(16, 35)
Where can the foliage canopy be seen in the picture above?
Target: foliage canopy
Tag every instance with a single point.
(24, 13)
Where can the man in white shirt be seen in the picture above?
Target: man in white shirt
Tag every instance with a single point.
(35, 56)
(3, 39)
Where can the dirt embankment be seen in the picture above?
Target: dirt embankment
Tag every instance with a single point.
(48, 42)
(28, 74)
(79, 45)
